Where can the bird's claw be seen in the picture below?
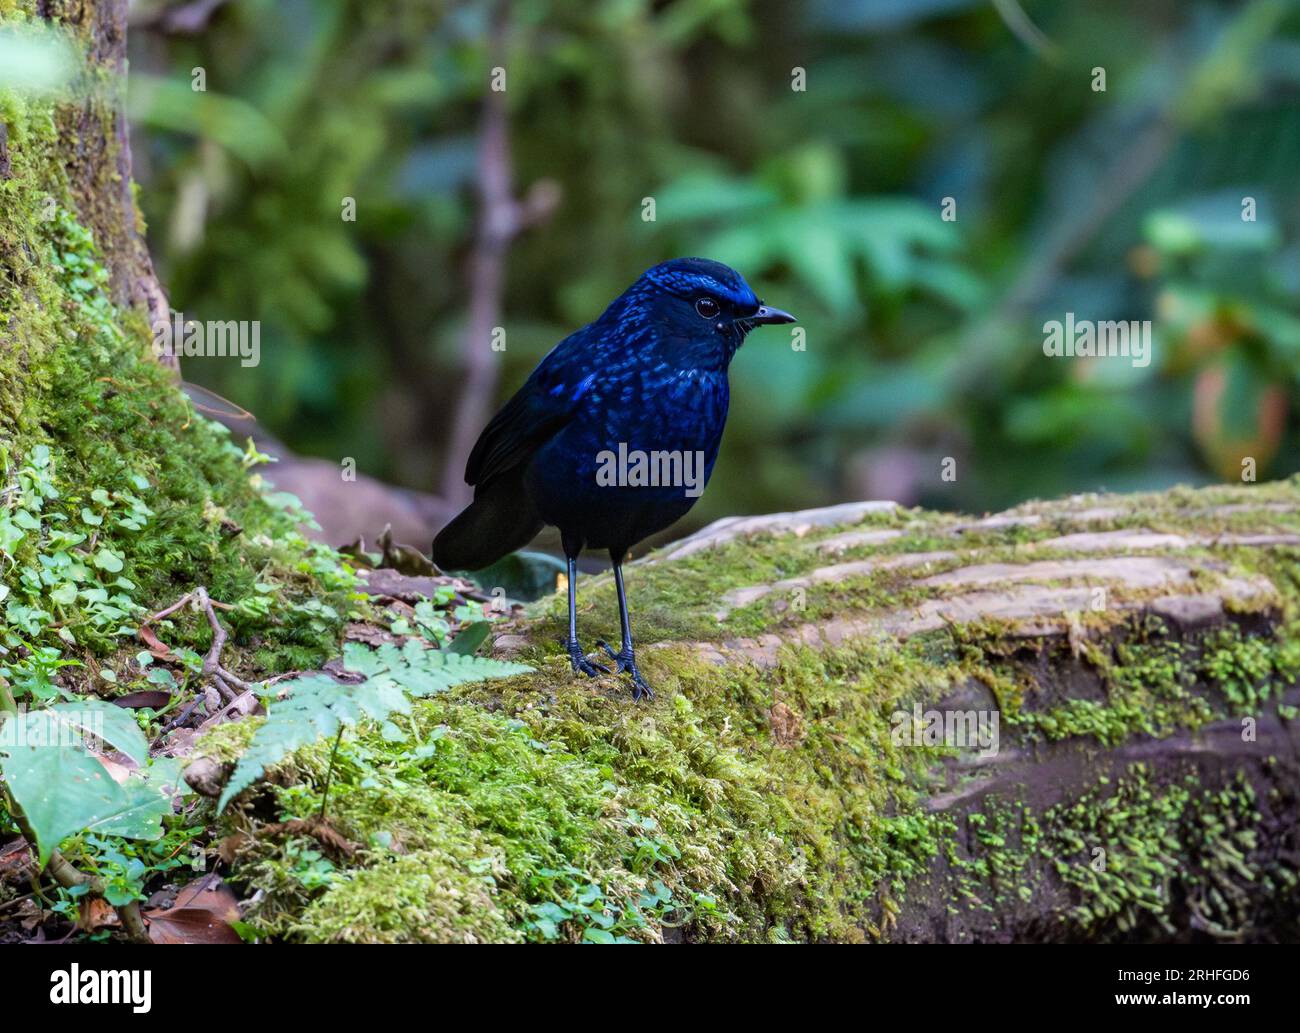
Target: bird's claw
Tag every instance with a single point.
(625, 661)
(581, 665)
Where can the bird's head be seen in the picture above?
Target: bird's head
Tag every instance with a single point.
(704, 302)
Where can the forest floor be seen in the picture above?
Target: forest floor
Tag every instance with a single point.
(1122, 643)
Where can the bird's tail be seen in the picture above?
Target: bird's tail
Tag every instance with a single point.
(500, 520)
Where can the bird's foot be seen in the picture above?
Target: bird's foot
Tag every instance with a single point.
(625, 661)
(581, 665)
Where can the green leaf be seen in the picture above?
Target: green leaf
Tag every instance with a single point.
(470, 638)
(108, 560)
(114, 725)
(522, 575)
(361, 659)
(63, 790)
(162, 677)
(10, 535)
(316, 706)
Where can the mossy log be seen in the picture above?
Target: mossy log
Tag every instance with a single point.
(1074, 720)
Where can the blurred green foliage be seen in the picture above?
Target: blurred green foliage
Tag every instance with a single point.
(924, 336)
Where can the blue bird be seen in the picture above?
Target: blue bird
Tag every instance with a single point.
(614, 435)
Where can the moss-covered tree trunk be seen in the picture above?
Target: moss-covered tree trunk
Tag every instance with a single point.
(1073, 721)
(116, 497)
(68, 157)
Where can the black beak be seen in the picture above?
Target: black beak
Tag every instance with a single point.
(767, 314)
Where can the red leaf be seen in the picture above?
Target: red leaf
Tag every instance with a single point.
(156, 646)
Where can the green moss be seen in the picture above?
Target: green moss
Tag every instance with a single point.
(598, 818)
(540, 840)
(1249, 670)
(430, 896)
(1184, 834)
(1139, 859)
(227, 742)
(681, 600)
(1155, 683)
(749, 805)
(804, 826)
(120, 489)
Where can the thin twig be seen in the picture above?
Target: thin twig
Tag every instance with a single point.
(17, 900)
(329, 774)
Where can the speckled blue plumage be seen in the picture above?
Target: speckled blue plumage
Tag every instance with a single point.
(650, 373)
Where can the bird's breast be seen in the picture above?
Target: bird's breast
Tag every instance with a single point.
(678, 407)
(645, 440)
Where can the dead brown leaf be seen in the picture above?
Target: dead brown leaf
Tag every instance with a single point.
(787, 726)
(319, 829)
(16, 864)
(159, 649)
(202, 913)
(29, 915)
(405, 559)
(179, 742)
(154, 699)
(231, 846)
(368, 634)
(117, 771)
(95, 913)
(241, 706)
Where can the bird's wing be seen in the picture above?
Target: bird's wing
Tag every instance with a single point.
(538, 411)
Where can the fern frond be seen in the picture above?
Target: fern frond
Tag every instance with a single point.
(317, 706)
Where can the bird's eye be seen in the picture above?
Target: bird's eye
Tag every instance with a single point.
(707, 308)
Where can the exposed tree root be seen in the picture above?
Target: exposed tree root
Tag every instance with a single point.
(225, 682)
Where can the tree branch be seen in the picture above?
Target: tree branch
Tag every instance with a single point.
(501, 218)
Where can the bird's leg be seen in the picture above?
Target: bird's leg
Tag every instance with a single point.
(624, 659)
(581, 665)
